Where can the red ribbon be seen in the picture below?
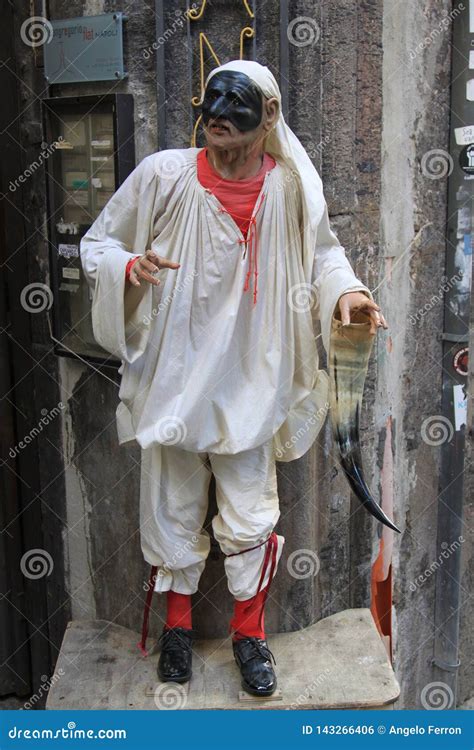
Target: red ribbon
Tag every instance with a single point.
(269, 559)
(252, 240)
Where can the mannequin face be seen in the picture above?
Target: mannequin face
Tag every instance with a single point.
(231, 97)
(235, 113)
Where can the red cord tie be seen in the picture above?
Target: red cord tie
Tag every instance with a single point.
(270, 559)
(146, 612)
(251, 241)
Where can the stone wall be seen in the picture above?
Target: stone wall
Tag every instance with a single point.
(366, 114)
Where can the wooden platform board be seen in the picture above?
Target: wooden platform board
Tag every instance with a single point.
(340, 662)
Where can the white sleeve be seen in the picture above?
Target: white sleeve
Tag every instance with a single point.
(332, 275)
(121, 313)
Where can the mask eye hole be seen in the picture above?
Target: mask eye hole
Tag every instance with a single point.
(234, 98)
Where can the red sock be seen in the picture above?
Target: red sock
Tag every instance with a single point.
(178, 612)
(249, 618)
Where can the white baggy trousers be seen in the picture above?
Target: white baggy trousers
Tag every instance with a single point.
(174, 486)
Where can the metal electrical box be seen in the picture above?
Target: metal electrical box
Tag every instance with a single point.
(90, 146)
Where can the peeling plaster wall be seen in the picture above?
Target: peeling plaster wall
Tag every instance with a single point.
(77, 531)
(413, 213)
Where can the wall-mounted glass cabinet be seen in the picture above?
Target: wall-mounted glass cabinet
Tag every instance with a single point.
(90, 152)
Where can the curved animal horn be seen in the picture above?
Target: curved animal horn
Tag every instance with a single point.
(349, 352)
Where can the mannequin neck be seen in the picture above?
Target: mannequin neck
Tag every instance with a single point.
(237, 163)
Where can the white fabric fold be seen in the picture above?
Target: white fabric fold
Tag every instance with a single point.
(120, 319)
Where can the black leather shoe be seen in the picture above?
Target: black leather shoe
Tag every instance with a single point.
(253, 658)
(175, 663)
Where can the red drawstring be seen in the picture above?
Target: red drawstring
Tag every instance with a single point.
(270, 554)
(146, 612)
(252, 240)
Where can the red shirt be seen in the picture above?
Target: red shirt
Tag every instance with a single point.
(238, 197)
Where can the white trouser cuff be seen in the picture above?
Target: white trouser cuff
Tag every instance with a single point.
(244, 570)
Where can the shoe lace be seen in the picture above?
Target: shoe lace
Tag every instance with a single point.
(260, 649)
(173, 640)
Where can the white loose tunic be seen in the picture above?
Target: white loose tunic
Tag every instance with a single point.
(203, 367)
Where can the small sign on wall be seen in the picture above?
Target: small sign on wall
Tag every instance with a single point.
(88, 48)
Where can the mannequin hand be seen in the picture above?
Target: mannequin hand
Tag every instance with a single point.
(146, 266)
(351, 302)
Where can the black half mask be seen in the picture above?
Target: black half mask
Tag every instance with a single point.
(233, 96)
